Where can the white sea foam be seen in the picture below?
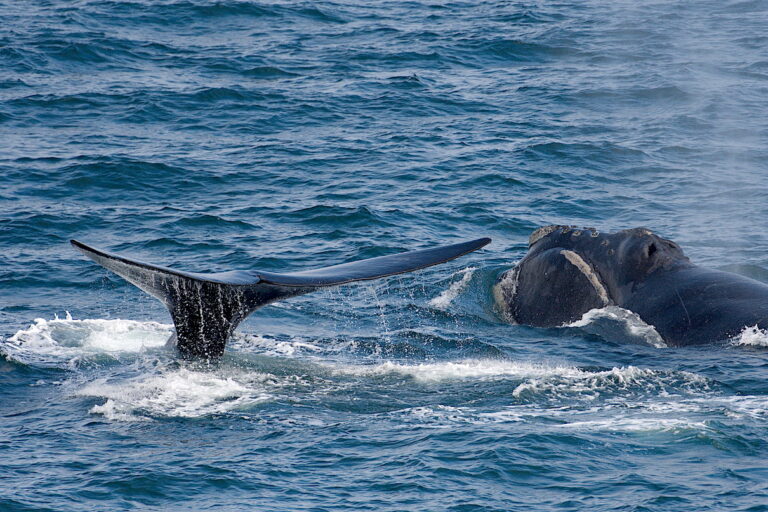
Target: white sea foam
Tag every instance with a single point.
(190, 393)
(114, 412)
(67, 339)
(640, 414)
(632, 325)
(752, 337)
(637, 424)
(736, 407)
(539, 379)
(184, 393)
(591, 385)
(271, 346)
(552, 398)
(159, 391)
(467, 369)
(438, 415)
(447, 296)
(601, 417)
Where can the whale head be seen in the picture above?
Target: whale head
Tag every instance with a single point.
(569, 271)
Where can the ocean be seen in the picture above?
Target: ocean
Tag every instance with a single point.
(288, 135)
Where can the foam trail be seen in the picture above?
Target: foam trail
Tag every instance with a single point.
(637, 425)
(635, 416)
(188, 392)
(536, 379)
(460, 370)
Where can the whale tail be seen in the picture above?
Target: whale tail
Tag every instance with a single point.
(206, 308)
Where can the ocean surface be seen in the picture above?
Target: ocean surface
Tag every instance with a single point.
(281, 136)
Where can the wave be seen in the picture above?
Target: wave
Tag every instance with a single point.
(334, 216)
(512, 50)
(268, 72)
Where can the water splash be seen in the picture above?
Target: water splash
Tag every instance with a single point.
(447, 296)
(66, 340)
(751, 337)
(613, 320)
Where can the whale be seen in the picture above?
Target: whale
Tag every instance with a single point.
(569, 271)
(206, 308)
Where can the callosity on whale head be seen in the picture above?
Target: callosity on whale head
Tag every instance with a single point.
(570, 270)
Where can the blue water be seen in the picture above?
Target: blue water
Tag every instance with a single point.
(212, 136)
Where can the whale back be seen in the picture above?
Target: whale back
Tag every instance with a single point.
(695, 305)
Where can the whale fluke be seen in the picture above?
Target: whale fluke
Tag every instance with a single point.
(206, 308)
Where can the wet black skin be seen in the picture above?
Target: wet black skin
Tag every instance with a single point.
(207, 308)
(638, 271)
